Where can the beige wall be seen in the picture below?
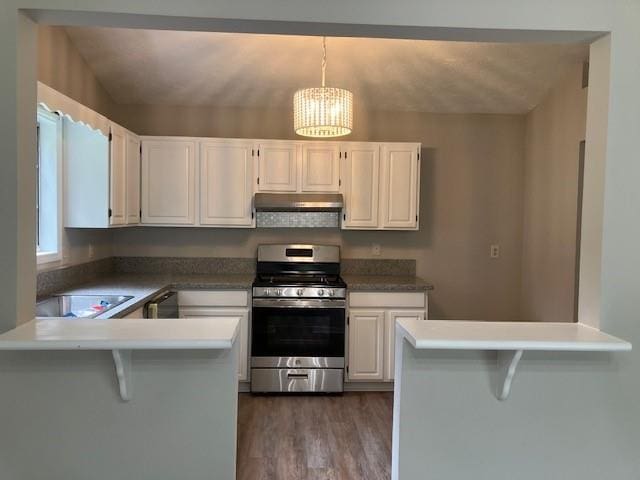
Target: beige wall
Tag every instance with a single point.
(475, 168)
(604, 401)
(471, 198)
(61, 67)
(554, 130)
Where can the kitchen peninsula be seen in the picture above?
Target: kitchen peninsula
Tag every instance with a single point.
(170, 403)
(457, 382)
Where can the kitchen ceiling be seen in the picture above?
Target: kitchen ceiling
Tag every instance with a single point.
(247, 70)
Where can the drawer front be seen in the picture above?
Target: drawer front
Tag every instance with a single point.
(213, 298)
(389, 300)
(296, 380)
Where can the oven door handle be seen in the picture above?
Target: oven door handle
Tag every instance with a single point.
(297, 375)
(298, 303)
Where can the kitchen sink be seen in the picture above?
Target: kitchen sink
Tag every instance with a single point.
(81, 306)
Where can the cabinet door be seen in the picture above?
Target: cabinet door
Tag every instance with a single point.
(361, 183)
(168, 182)
(226, 169)
(278, 166)
(243, 334)
(133, 178)
(320, 167)
(86, 156)
(390, 337)
(399, 186)
(366, 344)
(117, 176)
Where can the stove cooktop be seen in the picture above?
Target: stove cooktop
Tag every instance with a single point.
(299, 286)
(329, 281)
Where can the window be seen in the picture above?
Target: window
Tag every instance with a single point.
(48, 187)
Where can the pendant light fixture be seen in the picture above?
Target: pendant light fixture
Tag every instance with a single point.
(323, 112)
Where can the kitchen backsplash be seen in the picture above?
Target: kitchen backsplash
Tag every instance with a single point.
(182, 265)
(377, 266)
(59, 280)
(53, 281)
(298, 220)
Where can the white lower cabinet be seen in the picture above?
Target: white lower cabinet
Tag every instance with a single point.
(192, 312)
(372, 320)
(221, 303)
(390, 318)
(366, 339)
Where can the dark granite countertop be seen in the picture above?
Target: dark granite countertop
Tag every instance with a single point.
(386, 283)
(143, 287)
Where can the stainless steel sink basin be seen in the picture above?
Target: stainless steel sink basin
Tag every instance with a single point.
(81, 306)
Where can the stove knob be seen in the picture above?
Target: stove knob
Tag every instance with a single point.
(278, 292)
(300, 292)
(267, 292)
(331, 293)
(320, 292)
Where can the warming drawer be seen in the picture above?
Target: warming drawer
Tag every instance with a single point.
(268, 380)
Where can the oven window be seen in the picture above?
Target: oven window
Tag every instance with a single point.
(300, 332)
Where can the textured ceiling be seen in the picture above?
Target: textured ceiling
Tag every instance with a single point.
(226, 69)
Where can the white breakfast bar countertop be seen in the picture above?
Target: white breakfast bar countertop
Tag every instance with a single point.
(477, 335)
(122, 333)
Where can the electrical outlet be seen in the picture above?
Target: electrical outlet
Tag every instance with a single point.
(376, 250)
(494, 251)
(92, 251)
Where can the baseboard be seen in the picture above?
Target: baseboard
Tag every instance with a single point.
(245, 387)
(368, 387)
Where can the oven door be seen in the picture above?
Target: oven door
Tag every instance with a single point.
(298, 333)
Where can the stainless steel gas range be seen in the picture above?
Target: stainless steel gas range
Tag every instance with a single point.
(298, 320)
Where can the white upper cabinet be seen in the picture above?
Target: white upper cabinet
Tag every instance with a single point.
(226, 178)
(320, 167)
(361, 165)
(168, 181)
(86, 176)
(399, 186)
(118, 172)
(132, 161)
(96, 176)
(277, 166)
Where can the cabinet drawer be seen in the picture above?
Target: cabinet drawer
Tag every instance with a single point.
(392, 300)
(213, 298)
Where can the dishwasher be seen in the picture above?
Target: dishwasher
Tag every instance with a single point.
(164, 305)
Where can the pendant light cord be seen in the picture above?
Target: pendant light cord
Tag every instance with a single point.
(324, 58)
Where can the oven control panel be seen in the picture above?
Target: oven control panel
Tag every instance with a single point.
(299, 292)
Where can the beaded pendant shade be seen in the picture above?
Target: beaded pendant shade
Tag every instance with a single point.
(323, 112)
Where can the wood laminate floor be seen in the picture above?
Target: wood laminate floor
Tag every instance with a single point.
(344, 437)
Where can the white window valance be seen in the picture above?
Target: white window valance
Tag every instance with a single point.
(55, 101)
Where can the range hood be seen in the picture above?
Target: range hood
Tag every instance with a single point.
(298, 202)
